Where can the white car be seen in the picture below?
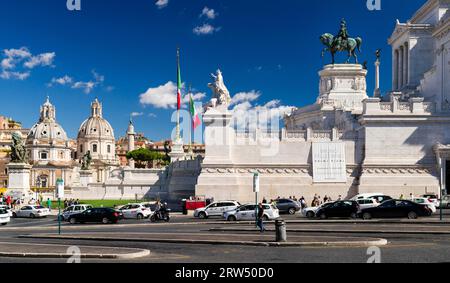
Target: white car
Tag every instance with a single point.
(32, 211)
(433, 198)
(136, 211)
(380, 197)
(248, 212)
(310, 212)
(216, 209)
(7, 209)
(4, 217)
(427, 202)
(74, 209)
(367, 203)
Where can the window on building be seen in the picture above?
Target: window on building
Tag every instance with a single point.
(109, 148)
(94, 148)
(44, 155)
(81, 148)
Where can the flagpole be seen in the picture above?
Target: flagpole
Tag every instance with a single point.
(192, 124)
(178, 109)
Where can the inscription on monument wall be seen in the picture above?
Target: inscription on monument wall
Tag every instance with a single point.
(329, 162)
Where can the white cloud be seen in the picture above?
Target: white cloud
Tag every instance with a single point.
(209, 13)
(86, 86)
(14, 75)
(136, 114)
(165, 96)
(162, 4)
(13, 57)
(205, 29)
(248, 116)
(245, 96)
(66, 80)
(44, 59)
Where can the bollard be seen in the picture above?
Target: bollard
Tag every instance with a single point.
(280, 230)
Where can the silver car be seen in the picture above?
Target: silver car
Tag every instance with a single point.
(74, 209)
(32, 211)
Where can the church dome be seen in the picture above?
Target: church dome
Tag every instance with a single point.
(47, 128)
(96, 127)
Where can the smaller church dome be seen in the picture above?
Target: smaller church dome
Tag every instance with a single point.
(47, 128)
(96, 126)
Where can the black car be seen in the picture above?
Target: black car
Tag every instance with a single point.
(96, 215)
(288, 206)
(396, 209)
(339, 209)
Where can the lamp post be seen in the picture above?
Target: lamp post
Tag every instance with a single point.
(38, 185)
(256, 191)
(59, 195)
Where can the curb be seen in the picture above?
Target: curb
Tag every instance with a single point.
(375, 242)
(339, 231)
(139, 254)
(132, 255)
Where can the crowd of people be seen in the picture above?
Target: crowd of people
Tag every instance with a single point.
(317, 200)
(70, 202)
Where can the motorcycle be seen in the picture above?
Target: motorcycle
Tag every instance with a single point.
(162, 215)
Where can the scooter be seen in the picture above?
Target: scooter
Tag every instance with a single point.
(162, 215)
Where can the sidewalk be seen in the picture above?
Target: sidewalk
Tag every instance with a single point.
(250, 239)
(66, 251)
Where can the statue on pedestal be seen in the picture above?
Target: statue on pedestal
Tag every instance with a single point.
(220, 91)
(18, 152)
(86, 163)
(340, 43)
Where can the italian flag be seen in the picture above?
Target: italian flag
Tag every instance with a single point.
(194, 114)
(179, 83)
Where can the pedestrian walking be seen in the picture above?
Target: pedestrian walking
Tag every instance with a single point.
(264, 200)
(261, 218)
(325, 199)
(49, 204)
(8, 201)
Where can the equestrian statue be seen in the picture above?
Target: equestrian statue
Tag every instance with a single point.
(341, 43)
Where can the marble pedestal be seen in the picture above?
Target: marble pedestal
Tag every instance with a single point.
(19, 181)
(85, 178)
(177, 152)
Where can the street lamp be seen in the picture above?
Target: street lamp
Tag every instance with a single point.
(38, 185)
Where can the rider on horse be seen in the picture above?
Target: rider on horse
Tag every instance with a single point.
(342, 37)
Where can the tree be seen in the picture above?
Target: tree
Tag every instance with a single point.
(143, 157)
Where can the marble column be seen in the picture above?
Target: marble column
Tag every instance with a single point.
(400, 68)
(405, 64)
(395, 71)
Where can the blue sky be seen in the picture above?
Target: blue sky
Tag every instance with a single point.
(117, 50)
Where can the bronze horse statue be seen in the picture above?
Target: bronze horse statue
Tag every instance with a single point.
(351, 45)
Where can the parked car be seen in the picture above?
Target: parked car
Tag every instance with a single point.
(9, 210)
(341, 209)
(216, 209)
(427, 202)
(74, 209)
(96, 215)
(367, 203)
(396, 209)
(247, 212)
(310, 212)
(445, 202)
(288, 206)
(433, 198)
(136, 211)
(4, 217)
(31, 211)
(379, 197)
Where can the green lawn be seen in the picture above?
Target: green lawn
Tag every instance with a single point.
(95, 203)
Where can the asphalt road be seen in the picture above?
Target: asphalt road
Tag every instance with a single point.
(402, 248)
